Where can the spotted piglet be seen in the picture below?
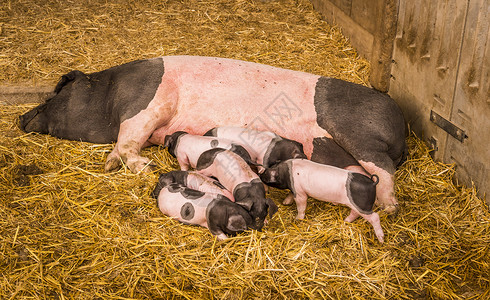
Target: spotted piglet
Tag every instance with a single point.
(188, 147)
(236, 176)
(213, 211)
(192, 180)
(326, 183)
(266, 148)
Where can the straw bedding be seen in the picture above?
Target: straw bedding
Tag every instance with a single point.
(70, 231)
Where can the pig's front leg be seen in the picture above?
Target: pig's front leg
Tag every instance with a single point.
(135, 131)
(184, 163)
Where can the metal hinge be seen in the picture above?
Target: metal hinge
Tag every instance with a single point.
(448, 127)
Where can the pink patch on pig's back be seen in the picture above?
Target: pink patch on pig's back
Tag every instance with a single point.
(217, 92)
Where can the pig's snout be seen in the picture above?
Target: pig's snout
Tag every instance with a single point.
(27, 121)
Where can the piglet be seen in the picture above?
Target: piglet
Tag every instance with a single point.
(192, 180)
(266, 148)
(327, 183)
(236, 176)
(187, 147)
(210, 210)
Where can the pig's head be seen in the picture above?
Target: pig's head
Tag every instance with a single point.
(227, 217)
(278, 176)
(73, 112)
(282, 149)
(172, 141)
(251, 196)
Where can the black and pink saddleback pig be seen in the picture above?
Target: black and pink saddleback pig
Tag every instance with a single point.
(138, 103)
(188, 147)
(326, 183)
(192, 180)
(210, 210)
(236, 176)
(266, 148)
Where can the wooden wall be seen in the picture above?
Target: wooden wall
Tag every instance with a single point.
(437, 69)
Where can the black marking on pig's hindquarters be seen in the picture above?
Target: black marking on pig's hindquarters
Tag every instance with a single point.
(243, 153)
(361, 191)
(207, 158)
(366, 123)
(281, 149)
(166, 179)
(186, 192)
(211, 132)
(171, 141)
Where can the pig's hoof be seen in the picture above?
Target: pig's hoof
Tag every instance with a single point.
(142, 164)
(391, 209)
(112, 164)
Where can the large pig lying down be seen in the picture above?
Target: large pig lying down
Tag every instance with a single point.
(137, 104)
(213, 211)
(306, 178)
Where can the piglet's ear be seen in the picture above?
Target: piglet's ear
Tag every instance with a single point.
(247, 203)
(236, 223)
(272, 207)
(167, 141)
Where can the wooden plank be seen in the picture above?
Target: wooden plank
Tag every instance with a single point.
(359, 37)
(426, 55)
(471, 105)
(24, 93)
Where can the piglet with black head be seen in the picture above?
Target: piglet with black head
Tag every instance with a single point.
(213, 211)
(188, 147)
(326, 183)
(266, 148)
(236, 176)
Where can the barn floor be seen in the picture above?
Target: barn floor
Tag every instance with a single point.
(70, 231)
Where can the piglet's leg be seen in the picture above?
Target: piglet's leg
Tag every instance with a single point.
(301, 205)
(373, 218)
(134, 132)
(352, 216)
(221, 237)
(289, 199)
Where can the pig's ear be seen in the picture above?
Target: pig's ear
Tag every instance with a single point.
(272, 207)
(236, 223)
(247, 203)
(299, 153)
(167, 141)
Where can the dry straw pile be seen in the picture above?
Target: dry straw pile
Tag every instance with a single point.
(70, 231)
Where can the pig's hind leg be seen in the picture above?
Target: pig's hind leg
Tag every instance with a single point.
(373, 218)
(301, 200)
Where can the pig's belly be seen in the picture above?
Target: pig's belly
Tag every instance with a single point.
(217, 92)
